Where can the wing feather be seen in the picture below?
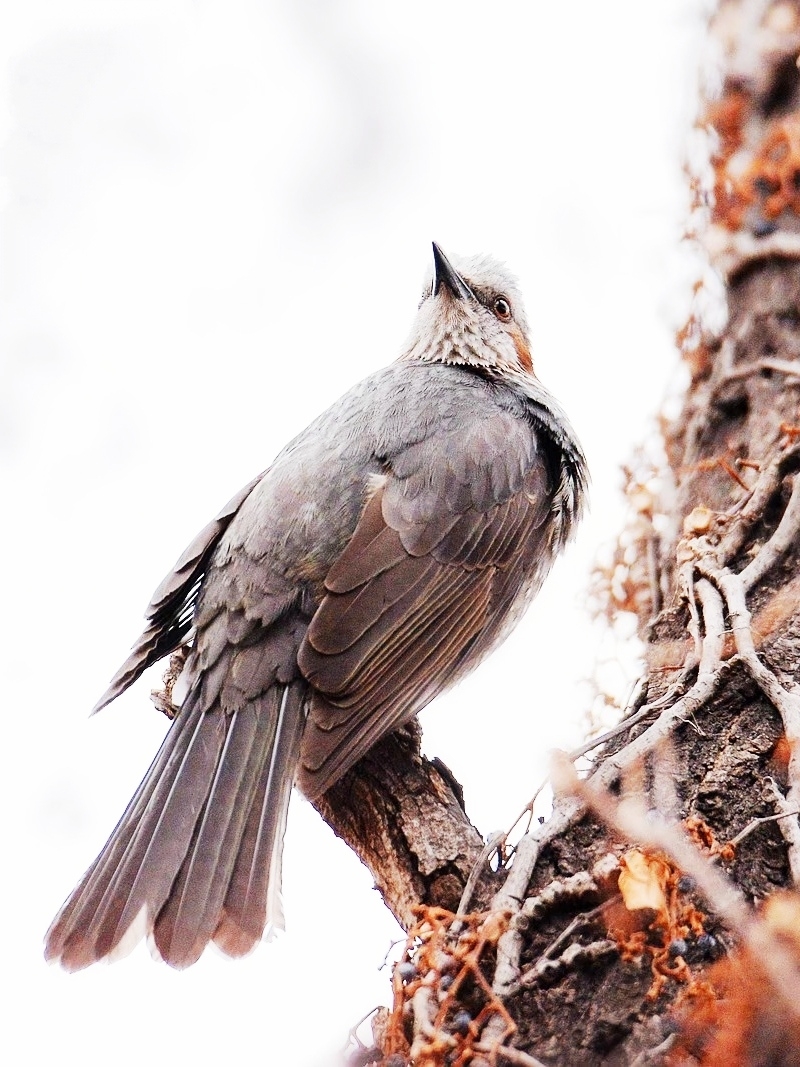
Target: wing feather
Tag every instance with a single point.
(333, 741)
(170, 612)
(423, 588)
(253, 897)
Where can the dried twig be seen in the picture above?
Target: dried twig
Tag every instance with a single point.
(714, 623)
(787, 703)
(789, 367)
(566, 812)
(548, 970)
(733, 251)
(778, 545)
(750, 509)
(577, 888)
(755, 823)
(638, 691)
(493, 843)
(712, 589)
(652, 1055)
(444, 960)
(514, 1056)
(629, 817)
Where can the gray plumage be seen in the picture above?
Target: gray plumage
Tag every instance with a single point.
(387, 550)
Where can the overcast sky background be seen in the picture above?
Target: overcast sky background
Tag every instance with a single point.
(216, 217)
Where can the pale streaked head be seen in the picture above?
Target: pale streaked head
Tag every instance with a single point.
(470, 314)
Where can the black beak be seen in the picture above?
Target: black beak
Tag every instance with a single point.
(446, 274)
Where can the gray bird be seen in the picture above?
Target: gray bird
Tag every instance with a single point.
(387, 550)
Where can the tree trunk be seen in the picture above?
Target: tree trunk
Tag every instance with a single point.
(623, 929)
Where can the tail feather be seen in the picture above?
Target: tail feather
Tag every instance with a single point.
(187, 921)
(253, 898)
(169, 867)
(67, 939)
(145, 875)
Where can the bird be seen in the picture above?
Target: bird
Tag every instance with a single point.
(388, 549)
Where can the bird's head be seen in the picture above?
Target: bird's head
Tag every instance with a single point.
(470, 314)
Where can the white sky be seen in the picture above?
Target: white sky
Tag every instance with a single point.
(215, 218)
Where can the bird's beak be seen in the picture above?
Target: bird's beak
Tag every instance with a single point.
(446, 275)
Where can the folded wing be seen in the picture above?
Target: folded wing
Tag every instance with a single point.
(445, 552)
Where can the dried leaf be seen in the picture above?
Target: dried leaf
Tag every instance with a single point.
(642, 881)
(698, 521)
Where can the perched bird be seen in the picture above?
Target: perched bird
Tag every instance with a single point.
(387, 550)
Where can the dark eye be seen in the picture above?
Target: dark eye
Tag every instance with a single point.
(502, 309)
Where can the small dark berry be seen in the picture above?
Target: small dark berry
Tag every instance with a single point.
(461, 1021)
(678, 947)
(445, 982)
(396, 1060)
(766, 186)
(686, 883)
(763, 228)
(407, 971)
(707, 944)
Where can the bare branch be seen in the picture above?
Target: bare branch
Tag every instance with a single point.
(755, 823)
(779, 544)
(635, 823)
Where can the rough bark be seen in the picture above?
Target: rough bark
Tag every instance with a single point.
(570, 971)
(403, 815)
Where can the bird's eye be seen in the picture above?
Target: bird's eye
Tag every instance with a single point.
(502, 309)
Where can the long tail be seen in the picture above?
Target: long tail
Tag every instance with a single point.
(197, 855)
